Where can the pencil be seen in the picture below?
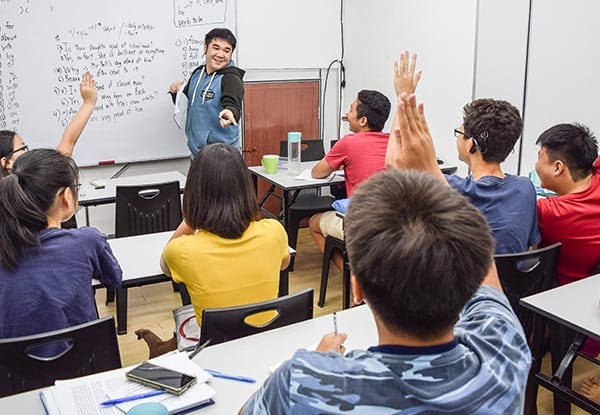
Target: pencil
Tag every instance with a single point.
(335, 327)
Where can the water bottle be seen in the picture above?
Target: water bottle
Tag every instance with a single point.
(294, 148)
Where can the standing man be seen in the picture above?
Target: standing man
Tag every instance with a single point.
(214, 95)
(360, 154)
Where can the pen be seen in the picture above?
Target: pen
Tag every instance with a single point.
(132, 397)
(331, 177)
(218, 374)
(335, 328)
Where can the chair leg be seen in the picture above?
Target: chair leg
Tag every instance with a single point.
(325, 272)
(110, 296)
(346, 285)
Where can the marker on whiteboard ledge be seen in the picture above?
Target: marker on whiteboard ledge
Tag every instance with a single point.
(105, 162)
(97, 183)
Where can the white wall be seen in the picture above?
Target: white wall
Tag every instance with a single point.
(441, 32)
(500, 57)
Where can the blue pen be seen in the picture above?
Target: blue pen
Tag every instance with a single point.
(218, 374)
(132, 397)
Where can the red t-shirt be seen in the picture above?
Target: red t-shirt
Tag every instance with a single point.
(574, 220)
(360, 155)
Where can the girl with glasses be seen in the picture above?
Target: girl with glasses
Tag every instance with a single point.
(46, 272)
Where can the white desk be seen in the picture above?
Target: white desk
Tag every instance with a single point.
(288, 183)
(139, 257)
(251, 356)
(88, 196)
(575, 306)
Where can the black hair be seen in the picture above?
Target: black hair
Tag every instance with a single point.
(375, 107)
(7, 138)
(422, 256)
(495, 125)
(573, 144)
(26, 196)
(221, 33)
(219, 196)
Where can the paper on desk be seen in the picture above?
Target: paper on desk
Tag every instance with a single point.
(306, 175)
(82, 396)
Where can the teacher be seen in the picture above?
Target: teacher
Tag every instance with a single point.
(214, 95)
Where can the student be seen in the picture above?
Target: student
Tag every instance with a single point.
(449, 341)
(360, 154)
(214, 94)
(46, 272)
(12, 145)
(568, 164)
(223, 251)
(488, 134)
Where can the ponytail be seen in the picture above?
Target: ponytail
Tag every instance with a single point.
(26, 196)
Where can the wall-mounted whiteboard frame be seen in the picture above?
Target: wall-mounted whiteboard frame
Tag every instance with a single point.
(134, 48)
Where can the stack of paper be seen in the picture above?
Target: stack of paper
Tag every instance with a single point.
(82, 396)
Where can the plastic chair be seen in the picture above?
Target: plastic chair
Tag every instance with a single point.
(147, 208)
(331, 244)
(228, 323)
(523, 274)
(307, 202)
(83, 349)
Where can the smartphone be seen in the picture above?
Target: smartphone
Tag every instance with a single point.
(161, 378)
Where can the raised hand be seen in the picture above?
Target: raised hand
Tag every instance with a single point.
(414, 146)
(87, 89)
(405, 79)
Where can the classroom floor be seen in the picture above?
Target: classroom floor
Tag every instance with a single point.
(151, 307)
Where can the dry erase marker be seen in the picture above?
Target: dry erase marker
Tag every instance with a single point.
(335, 328)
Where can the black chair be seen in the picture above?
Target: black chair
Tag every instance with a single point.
(83, 349)
(147, 208)
(228, 323)
(307, 202)
(332, 244)
(523, 274)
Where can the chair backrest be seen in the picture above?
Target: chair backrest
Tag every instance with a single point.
(524, 274)
(228, 323)
(67, 353)
(147, 208)
(311, 150)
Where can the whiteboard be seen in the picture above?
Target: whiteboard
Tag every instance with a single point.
(288, 33)
(134, 48)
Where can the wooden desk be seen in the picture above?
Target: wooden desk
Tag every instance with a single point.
(250, 356)
(575, 306)
(88, 196)
(139, 257)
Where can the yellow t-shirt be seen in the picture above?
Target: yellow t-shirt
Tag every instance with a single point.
(221, 272)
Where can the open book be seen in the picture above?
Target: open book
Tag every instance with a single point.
(82, 396)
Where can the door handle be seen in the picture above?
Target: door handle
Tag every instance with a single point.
(249, 150)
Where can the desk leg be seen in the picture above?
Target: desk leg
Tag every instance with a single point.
(87, 216)
(286, 210)
(122, 310)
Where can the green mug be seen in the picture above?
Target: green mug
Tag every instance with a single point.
(270, 162)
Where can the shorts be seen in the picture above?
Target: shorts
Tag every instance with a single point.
(332, 225)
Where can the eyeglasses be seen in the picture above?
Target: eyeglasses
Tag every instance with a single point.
(457, 132)
(16, 150)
